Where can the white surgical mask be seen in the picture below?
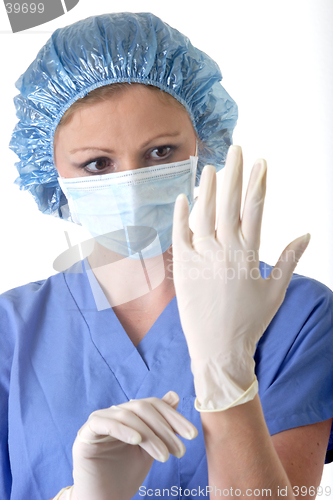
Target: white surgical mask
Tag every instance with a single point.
(131, 212)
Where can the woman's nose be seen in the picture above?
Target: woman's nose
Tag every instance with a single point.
(131, 163)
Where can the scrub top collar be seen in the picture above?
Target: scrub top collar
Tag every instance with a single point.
(129, 364)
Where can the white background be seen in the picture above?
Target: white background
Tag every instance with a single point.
(276, 60)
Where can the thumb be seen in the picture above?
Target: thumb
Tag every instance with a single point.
(171, 398)
(288, 260)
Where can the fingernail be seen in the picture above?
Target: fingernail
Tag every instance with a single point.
(135, 439)
(259, 171)
(181, 197)
(180, 453)
(172, 397)
(259, 168)
(235, 150)
(191, 434)
(163, 458)
(305, 241)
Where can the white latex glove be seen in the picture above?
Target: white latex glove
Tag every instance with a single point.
(224, 304)
(116, 447)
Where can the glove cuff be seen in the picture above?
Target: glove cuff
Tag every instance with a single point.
(223, 381)
(66, 496)
(248, 395)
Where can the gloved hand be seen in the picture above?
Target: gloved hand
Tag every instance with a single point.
(224, 304)
(116, 447)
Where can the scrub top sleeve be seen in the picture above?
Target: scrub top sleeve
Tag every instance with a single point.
(6, 356)
(294, 360)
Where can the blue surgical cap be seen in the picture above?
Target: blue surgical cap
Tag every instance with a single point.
(102, 50)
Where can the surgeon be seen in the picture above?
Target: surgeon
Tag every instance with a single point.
(167, 362)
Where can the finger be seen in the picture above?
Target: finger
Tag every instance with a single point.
(171, 398)
(228, 215)
(177, 422)
(206, 210)
(254, 205)
(282, 272)
(108, 424)
(99, 430)
(181, 233)
(164, 421)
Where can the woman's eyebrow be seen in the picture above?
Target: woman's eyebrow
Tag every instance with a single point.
(170, 134)
(90, 148)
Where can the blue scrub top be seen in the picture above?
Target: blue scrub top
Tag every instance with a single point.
(61, 359)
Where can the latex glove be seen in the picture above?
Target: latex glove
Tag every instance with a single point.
(116, 447)
(224, 304)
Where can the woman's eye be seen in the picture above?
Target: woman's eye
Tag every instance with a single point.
(98, 165)
(160, 152)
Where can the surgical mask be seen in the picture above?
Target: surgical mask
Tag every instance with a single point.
(131, 212)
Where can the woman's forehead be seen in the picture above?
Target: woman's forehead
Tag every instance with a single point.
(135, 95)
(140, 111)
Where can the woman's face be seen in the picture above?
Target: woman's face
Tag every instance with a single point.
(131, 130)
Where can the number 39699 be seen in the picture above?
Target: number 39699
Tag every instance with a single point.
(24, 8)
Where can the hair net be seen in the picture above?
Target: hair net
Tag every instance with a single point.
(106, 49)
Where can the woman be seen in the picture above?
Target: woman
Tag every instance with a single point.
(90, 355)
